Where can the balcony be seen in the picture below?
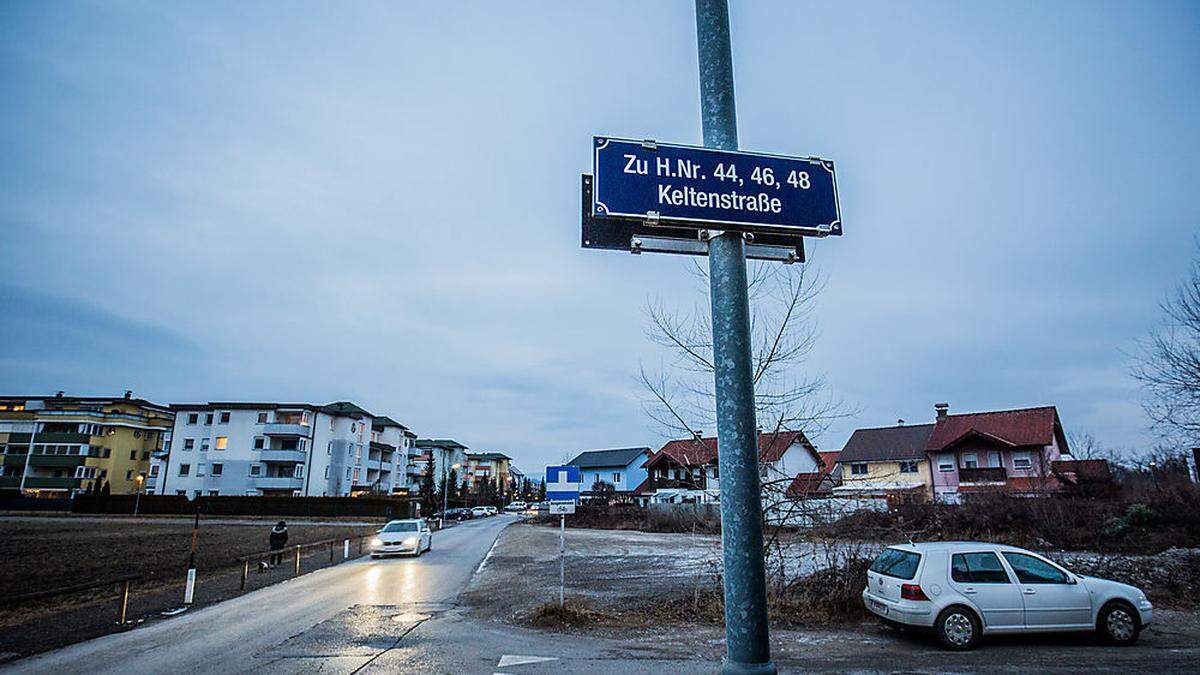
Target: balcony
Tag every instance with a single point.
(282, 455)
(14, 460)
(63, 437)
(982, 475)
(656, 483)
(57, 461)
(51, 483)
(281, 429)
(10, 481)
(278, 483)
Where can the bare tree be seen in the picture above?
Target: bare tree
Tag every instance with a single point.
(681, 395)
(1169, 364)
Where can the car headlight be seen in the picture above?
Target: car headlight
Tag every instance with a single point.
(376, 542)
(411, 541)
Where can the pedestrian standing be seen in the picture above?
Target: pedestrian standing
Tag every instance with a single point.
(279, 538)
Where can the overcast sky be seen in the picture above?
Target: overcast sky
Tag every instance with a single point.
(380, 202)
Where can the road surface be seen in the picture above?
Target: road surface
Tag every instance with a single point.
(252, 632)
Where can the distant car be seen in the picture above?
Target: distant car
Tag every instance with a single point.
(492, 511)
(455, 514)
(402, 536)
(480, 512)
(965, 590)
(516, 507)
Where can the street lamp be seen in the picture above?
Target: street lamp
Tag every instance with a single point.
(445, 492)
(140, 478)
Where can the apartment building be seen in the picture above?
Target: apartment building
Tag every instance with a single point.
(446, 454)
(58, 445)
(488, 466)
(292, 449)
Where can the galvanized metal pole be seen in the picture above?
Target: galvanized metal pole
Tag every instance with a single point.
(747, 634)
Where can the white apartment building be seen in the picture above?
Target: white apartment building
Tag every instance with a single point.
(292, 449)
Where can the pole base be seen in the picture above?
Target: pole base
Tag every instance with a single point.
(738, 668)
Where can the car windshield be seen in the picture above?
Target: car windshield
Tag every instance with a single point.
(400, 527)
(896, 563)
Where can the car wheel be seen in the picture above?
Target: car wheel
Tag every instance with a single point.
(1118, 623)
(958, 629)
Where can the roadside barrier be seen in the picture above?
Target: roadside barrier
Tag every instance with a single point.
(125, 581)
(297, 553)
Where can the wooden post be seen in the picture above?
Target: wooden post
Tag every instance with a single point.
(330, 550)
(297, 558)
(245, 572)
(124, 602)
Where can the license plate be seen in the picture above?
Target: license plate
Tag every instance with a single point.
(883, 609)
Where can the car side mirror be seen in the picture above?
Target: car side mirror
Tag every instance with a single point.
(1072, 580)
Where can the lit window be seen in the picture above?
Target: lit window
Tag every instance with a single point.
(222, 442)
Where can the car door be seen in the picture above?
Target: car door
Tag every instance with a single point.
(981, 578)
(1054, 600)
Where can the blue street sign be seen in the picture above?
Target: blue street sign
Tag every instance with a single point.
(563, 483)
(680, 184)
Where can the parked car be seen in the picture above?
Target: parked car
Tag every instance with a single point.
(480, 512)
(516, 507)
(402, 536)
(458, 514)
(492, 511)
(965, 590)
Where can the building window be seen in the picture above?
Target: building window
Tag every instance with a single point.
(192, 418)
(326, 473)
(858, 469)
(970, 461)
(329, 450)
(1022, 460)
(222, 442)
(129, 475)
(909, 467)
(154, 470)
(137, 434)
(107, 452)
(255, 470)
(189, 443)
(347, 473)
(299, 472)
(945, 463)
(262, 418)
(200, 469)
(224, 418)
(331, 424)
(260, 443)
(145, 454)
(185, 469)
(133, 455)
(356, 475)
(217, 469)
(204, 445)
(213, 493)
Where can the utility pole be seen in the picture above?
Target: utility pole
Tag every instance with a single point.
(747, 633)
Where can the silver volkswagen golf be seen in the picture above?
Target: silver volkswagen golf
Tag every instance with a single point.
(965, 590)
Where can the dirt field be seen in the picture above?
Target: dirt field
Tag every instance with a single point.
(42, 553)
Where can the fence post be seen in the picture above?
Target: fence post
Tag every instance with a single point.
(124, 602)
(360, 545)
(330, 550)
(297, 558)
(245, 572)
(345, 549)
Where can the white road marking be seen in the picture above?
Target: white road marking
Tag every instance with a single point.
(518, 660)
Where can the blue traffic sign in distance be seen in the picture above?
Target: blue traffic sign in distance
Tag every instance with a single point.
(563, 483)
(703, 187)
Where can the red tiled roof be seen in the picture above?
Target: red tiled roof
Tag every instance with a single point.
(1029, 426)
(701, 451)
(808, 484)
(829, 459)
(643, 487)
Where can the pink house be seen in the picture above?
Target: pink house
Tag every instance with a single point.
(1009, 450)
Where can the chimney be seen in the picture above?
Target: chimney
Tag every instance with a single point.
(942, 409)
(900, 422)
(128, 394)
(59, 394)
(698, 434)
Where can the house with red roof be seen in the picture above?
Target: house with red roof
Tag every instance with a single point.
(1012, 451)
(686, 471)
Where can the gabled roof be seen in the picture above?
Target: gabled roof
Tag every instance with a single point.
(487, 456)
(1024, 427)
(886, 444)
(701, 451)
(615, 457)
(345, 409)
(383, 421)
(439, 443)
(809, 484)
(829, 459)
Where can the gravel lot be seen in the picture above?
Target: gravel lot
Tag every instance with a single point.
(622, 568)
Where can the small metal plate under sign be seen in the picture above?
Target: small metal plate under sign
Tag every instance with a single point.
(565, 508)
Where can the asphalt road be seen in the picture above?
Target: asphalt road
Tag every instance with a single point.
(245, 633)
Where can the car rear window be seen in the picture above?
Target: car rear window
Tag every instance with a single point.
(897, 563)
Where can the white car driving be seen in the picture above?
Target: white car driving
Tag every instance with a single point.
(402, 537)
(965, 590)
